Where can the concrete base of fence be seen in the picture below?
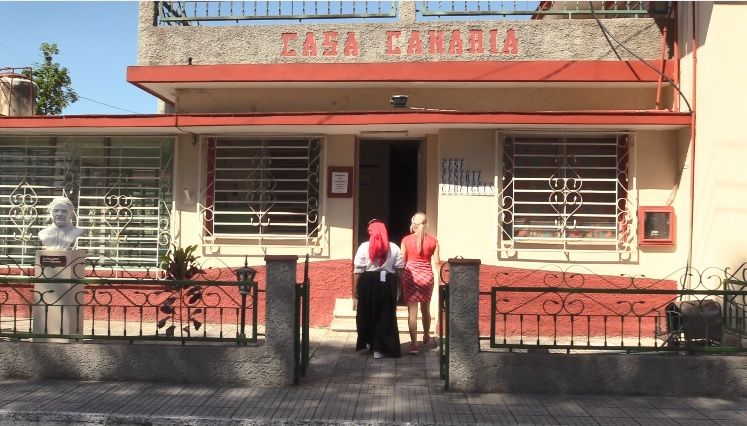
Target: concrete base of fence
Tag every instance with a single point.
(205, 364)
(607, 374)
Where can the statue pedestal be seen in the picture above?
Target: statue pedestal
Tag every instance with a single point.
(58, 310)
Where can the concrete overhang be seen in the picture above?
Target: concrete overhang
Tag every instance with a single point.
(410, 123)
(163, 81)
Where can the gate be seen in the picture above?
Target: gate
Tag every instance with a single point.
(443, 325)
(301, 326)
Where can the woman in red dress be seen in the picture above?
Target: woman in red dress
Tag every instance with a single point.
(420, 253)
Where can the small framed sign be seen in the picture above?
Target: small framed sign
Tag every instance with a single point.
(53, 261)
(656, 226)
(339, 182)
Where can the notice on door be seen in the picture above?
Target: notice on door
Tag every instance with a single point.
(340, 182)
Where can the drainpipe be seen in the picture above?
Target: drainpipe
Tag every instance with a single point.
(692, 131)
(661, 71)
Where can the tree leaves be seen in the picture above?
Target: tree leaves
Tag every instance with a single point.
(53, 82)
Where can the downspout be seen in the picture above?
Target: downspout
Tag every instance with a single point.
(693, 97)
(661, 71)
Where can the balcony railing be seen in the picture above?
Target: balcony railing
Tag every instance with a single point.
(540, 10)
(252, 12)
(217, 13)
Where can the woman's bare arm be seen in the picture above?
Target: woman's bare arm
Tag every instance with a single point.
(436, 266)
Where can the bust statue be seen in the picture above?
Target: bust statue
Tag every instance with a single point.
(61, 234)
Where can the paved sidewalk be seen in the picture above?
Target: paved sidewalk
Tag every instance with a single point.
(343, 387)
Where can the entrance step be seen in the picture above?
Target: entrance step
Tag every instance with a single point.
(344, 318)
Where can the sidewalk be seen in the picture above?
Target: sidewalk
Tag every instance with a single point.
(343, 387)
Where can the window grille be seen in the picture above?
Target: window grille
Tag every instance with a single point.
(264, 190)
(120, 187)
(565, 193)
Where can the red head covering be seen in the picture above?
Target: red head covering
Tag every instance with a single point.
(378, 242)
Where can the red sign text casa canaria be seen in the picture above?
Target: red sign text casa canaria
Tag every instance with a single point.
(399, 43)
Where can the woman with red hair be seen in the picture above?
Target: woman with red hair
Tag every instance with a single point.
(376, 264)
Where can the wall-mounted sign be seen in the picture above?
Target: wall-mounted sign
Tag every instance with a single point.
(53, 261)
(457, 180)
(339, 182)
(656, 226)
(457, 42)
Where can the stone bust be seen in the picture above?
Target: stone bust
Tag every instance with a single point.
(61, 234)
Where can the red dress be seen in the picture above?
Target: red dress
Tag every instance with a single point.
(417, 279)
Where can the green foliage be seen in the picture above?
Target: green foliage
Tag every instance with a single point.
(53, 82)
(180, 264)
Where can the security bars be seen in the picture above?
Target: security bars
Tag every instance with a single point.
(565, 193)
(121, 188)
(264, 190)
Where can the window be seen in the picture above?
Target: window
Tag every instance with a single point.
(263, 190)
(120, 187)
(565, 193)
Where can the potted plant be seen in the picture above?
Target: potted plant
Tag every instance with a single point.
(180, 266)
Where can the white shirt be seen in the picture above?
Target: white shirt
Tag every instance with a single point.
(361, 262)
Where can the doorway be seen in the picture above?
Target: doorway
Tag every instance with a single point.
(388, 182)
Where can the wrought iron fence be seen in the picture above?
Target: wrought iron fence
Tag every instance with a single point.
(111, 303)
(443, 324)
(573, 309)
(302, 318)
(229, 12)
(541, 9)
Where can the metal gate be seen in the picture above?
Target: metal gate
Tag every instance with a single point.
(301, 326)
(443, 325)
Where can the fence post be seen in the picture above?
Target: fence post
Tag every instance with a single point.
(279, 313)
(463, 323)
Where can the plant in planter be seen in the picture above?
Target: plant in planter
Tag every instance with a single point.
(180, 266)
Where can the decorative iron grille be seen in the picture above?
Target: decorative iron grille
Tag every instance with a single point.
(230, 12)
(121, 187)
(572, 308)
(565, 193)
(542, 9)
(265, 190)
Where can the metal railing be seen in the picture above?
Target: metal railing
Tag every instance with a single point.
(301, 322)
(574, 310)
(136, 306)
(228, 12)
(541, 10)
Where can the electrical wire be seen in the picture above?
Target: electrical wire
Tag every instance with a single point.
(107, 105)
(608, 35)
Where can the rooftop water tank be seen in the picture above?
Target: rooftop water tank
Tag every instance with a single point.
(17, 94)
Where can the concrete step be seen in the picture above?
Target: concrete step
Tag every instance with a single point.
(348, 325)
(344, 310)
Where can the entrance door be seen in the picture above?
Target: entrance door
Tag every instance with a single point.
(387, 186)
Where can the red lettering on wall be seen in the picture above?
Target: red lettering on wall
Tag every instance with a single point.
(351, 45)
(415, 44)
(435, 42)
(330, 43)
(493, 41)
(511, 44)
(287, 38)
(390, 37)
(455, 44)
(309, 45)
(475, 41)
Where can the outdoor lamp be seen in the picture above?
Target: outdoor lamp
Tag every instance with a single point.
(245, 275)
(398, 101)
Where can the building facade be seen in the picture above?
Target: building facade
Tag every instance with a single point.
(605, 139)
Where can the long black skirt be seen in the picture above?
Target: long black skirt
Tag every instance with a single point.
(376, 318)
